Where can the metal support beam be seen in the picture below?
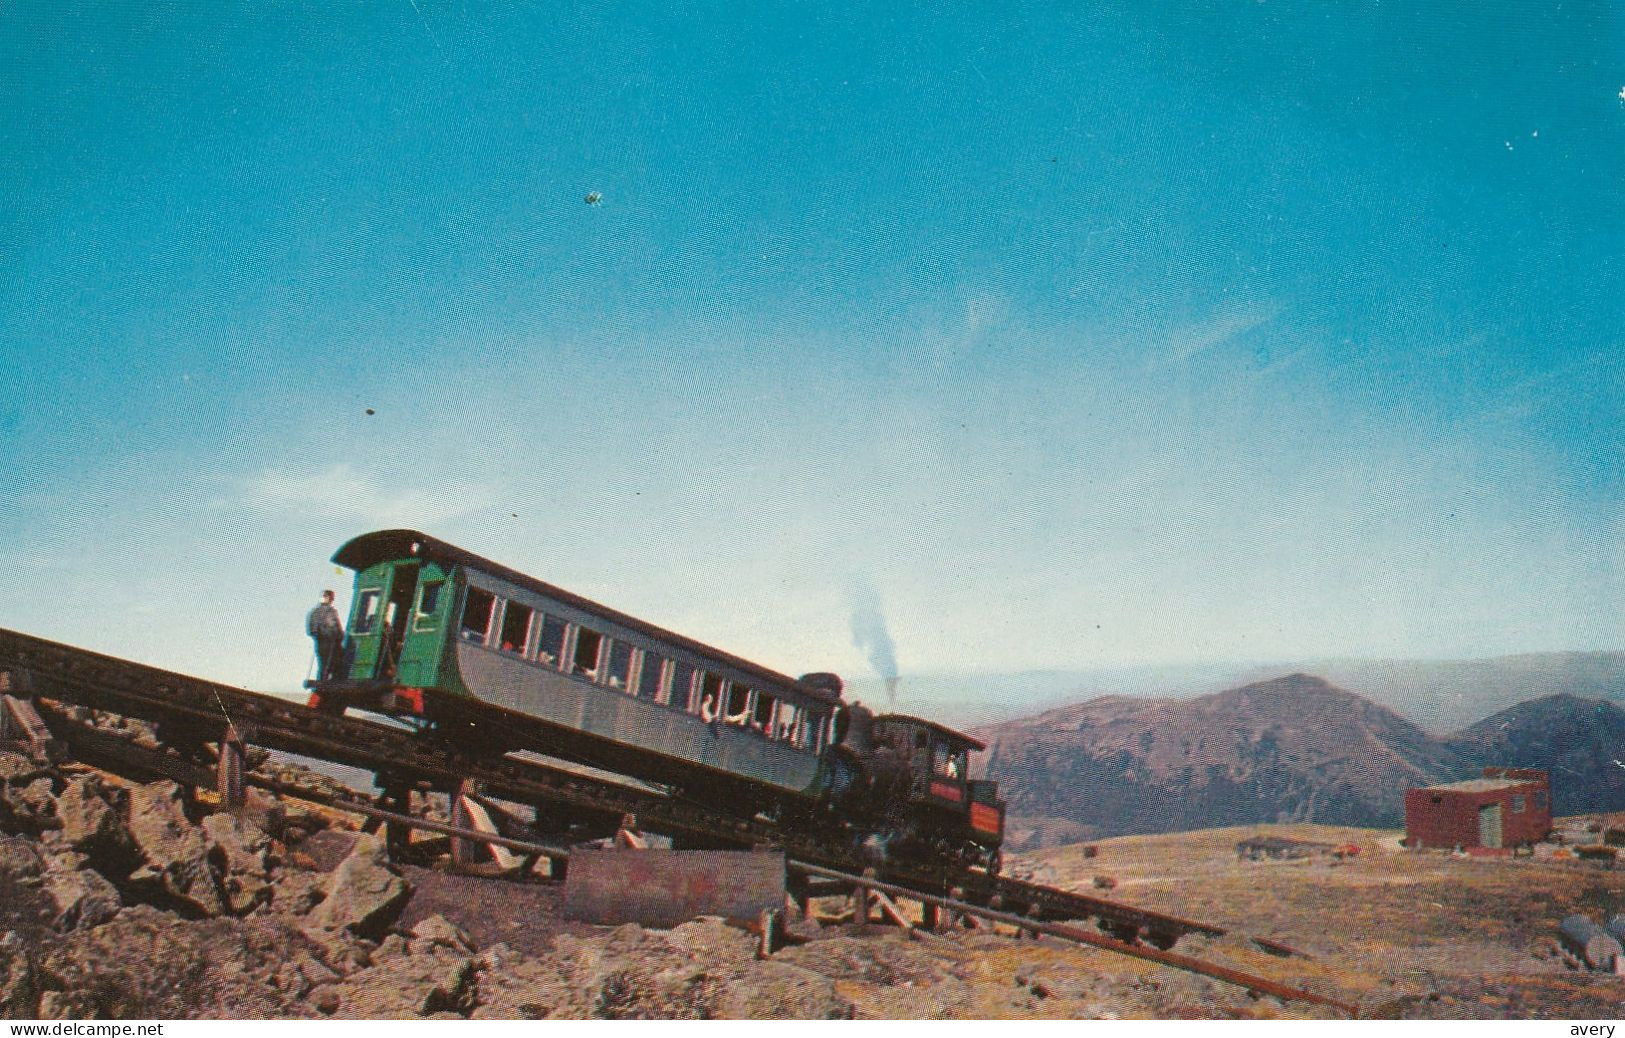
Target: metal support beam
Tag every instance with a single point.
(229, 770)
(468, 814)
(20, 722)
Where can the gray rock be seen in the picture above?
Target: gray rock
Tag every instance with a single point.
(93, 822)
(438, 930)
(145, 963)
(181, 860)
(18, 769)
(20, 858)
(28, 806)
(365, 894)
(408, 986)
(246, 849)
(245, 845)
(296, 891)
(780, 991)
(82, 898)
(19, 992)
(527, 989)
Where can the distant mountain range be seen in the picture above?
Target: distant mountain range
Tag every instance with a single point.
(1444, 695)
(1291, 749)
(1439, 695)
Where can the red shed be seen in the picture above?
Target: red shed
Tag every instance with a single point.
(1508, 807)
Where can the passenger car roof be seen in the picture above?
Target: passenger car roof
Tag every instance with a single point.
(369, 549)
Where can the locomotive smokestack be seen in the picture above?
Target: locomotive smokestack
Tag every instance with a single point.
(869, 634)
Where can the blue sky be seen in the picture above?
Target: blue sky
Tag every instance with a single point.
(1075, 335)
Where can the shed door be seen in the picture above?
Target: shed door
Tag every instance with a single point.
(1489, 825)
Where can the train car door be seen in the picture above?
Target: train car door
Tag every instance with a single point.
(418, 663)
(397, 617)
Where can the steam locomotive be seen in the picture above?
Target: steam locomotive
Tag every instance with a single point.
(472, 651)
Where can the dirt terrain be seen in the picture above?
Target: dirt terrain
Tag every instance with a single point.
(126, 900)
(1442, 935)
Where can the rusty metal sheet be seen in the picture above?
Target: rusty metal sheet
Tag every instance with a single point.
(666, 888)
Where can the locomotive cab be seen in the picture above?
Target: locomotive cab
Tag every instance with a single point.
(954, 809)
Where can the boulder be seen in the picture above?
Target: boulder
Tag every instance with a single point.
(245, 845)
(437, 930)
(28, 806)
(365, 894)
(780, 991)
(92, 820)
(525, 989)
(20, 858)
(82, 898)
(246, 850)
(17, 769)
(145, 963)
(181, 862)
(296, 891)
(338, 949)
(19, 993)
(636, 974)
(406, 987)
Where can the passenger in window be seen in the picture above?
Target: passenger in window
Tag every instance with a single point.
(709, 712)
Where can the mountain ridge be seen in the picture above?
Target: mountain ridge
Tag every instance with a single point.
(1294, 748)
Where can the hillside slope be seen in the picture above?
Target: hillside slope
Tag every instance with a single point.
(1293, 749)
(1580, 741)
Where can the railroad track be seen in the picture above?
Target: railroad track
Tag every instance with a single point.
(191, 712)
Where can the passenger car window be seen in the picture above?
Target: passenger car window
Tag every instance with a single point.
(551, 646)
(366, 612)
(585, 660)
(737, 710)
(515, 627)
(428, 604)
(787, 726)
(649, 675)
(620, 666)
(681, 693)
(762, 716)
(477, 614)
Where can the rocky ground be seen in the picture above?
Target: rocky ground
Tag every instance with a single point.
(129, 900)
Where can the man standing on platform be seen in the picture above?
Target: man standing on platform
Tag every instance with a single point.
(327, 631)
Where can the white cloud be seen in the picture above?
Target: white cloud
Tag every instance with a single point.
(1187, 342)
(340, 492)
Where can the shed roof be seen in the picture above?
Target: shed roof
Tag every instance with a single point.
(1479, 785)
